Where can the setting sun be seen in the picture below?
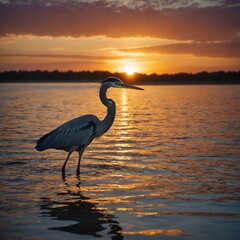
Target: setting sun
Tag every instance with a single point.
(130, 70)
(129, 67)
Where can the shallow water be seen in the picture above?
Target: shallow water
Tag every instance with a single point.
(167, 169)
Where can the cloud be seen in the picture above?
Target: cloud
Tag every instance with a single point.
(229, 49)
(131, 4)
(61, 56)
(52, 62)
(85, 19)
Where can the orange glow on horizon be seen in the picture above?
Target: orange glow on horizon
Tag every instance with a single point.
(130, 70)
(129, 67)
(90, 53)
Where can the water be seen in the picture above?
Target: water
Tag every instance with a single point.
(167, 169)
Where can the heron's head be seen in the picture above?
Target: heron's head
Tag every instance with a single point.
(117, 83)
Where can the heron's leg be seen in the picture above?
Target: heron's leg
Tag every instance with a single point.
(71, 150)
(80, 152)
(64, 165)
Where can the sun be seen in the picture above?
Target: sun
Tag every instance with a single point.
(129, 66)
(129, 70)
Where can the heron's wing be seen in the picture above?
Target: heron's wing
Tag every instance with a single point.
(77, 132)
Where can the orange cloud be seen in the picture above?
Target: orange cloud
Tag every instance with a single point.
(60, 56)
(83, 19)
(230, 49)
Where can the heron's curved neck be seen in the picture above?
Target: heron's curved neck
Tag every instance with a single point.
(111, 110)
(103, 95)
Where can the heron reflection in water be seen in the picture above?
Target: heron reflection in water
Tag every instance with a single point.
(79, 214)
(78, 133)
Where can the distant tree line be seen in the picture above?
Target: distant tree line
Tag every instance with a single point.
(219, 77)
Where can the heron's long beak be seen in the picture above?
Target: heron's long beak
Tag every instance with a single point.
(132, 87)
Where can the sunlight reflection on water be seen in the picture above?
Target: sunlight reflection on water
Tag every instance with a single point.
(169, 166)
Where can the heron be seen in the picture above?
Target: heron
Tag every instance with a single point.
(78, 133)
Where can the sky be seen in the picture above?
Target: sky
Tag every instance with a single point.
(146, 36)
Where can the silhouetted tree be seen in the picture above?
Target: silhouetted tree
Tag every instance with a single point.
(220, 77)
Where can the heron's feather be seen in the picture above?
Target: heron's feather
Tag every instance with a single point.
(77, 132)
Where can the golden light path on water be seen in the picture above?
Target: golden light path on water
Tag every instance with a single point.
(169, 166)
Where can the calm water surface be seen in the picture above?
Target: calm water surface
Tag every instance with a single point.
(167, 169)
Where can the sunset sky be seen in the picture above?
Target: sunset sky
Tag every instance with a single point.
(147, 36)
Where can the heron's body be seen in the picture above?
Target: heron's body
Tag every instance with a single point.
(78, 133)
(74, 133)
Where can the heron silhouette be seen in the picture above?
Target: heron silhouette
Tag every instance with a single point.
(78, 133)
